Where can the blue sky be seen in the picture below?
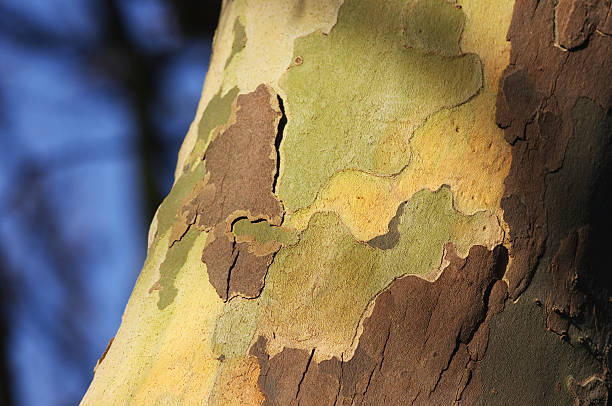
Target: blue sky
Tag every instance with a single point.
(69, 161)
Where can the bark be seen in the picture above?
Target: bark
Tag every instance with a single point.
(399, 202)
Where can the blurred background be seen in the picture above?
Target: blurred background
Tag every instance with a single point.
(95, 99)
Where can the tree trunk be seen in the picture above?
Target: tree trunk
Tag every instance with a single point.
(398, 202)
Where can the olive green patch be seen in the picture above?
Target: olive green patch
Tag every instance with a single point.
(317, 289)
(180, 190)
(216, 113)
(428, 222)
(364, 71)
(262, 232)
(240, 40)
(236, 326)
(434, 26)
(175, 259)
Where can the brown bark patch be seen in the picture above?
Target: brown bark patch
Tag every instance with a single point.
(233, 268)
(565, 301)
(577, 20)
(414, 346)
(536, 95)
(241, 168)
(553, 101)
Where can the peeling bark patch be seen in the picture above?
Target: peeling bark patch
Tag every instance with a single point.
(241, 165)
(282, 375)
(233, 268)
(220, 255)
(216, 113)
(537, 94)
(564, 300)
(175, 259)
(413, 349)
(526, 365)
(584, 183)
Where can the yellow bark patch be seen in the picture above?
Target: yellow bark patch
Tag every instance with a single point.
(163, 357)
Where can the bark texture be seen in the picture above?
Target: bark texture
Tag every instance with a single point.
(399, 202)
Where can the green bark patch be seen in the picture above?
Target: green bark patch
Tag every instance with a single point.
(180, 191)
(175, 259)
(262, 232)
(317, 289)
(240, 40)
(236, 326)
(434, 26)
(216, 113)
(364, 70)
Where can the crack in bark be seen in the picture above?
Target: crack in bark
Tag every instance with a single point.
(277, 141)
(415, 397)
(382, 359)
(180, 238)
(299, 387)
(450, 359)
(339, 379)
(229, 271)
(468, 371)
